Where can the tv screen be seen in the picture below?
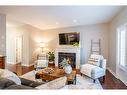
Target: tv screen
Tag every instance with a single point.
(68, 38)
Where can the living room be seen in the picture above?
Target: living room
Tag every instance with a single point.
(31, 32)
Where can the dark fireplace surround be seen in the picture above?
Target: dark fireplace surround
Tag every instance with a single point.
(70, 57)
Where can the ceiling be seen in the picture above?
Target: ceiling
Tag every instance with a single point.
(50, 17)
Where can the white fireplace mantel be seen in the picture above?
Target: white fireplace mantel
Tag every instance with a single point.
(68, 50)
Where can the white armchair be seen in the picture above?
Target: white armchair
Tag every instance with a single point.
(41, 62)
(95, 68)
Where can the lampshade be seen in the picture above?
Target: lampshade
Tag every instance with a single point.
(42, 45)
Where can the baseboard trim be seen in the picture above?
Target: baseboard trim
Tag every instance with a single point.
(116, 75)
(10, 62)
(112, 72)
(124, 82)
(28, 65)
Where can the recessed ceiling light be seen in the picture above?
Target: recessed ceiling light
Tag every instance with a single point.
(57, 23)
(74, 20)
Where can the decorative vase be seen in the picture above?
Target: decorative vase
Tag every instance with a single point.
(68, 69)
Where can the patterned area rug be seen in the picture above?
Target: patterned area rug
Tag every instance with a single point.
(82, 82)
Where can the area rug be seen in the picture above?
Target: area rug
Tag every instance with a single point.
(82, 82)
(31, 76)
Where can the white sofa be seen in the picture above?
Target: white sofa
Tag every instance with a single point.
(95, 68)
(54, 84)
(5, 73)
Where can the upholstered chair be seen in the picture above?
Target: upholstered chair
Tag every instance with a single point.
(95, 67)
(41, 62)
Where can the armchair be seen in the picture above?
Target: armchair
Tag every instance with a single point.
(95, 68)
(41, 62)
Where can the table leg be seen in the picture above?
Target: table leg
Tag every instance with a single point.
(75, 80)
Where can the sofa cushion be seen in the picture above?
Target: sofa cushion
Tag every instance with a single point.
(97, 72)
(92, 71)
(4, 83)
(87, 68)
(55, 84)
(19, 87)
(30, 82)
(10, 75)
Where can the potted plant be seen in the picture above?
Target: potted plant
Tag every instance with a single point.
(51, 57)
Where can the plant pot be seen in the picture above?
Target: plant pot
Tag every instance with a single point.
(51, 62)
(68, 69)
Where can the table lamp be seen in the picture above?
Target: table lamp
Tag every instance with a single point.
(42, 45)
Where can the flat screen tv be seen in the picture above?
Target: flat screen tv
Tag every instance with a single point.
(69, 38)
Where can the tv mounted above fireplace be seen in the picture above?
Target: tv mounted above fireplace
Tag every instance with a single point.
(69, 38)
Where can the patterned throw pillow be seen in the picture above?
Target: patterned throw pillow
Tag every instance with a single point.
(94, 61)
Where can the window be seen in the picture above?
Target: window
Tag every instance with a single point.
(122, 38)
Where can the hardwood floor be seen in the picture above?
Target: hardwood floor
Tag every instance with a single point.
(18, 69)
(110, 81)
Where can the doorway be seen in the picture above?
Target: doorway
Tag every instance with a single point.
(18, 49)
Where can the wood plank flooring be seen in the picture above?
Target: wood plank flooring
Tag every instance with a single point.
(110, 81)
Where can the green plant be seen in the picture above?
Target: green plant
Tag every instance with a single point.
(76, 44)
(51, 56)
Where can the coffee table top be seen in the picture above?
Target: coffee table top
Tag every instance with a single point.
(53, 73)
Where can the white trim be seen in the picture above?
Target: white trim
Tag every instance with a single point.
(68, 50)
(116, 75)
(28, 65)
(32, 63)
(112, 72)
(124, 81)
(11, 62)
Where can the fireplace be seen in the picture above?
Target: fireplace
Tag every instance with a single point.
(70, 57)
(68, 51)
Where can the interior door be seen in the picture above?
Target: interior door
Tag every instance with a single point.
(18, 49)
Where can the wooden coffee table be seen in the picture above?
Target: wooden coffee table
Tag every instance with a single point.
(49, 74)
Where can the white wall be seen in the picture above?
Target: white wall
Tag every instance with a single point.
(32, 36)
(95, 32)
(119, 20)
(29, 45)
(12, 32)
(35, 36)
(2, 34)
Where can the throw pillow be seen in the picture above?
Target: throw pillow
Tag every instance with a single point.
(4, 83)
(94, 61)
(10, 75)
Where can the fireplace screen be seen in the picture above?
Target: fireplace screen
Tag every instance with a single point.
(70, 57)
